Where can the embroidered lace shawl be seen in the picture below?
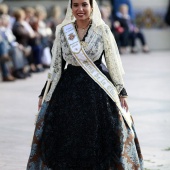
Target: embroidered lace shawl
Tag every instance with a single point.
(93, 45)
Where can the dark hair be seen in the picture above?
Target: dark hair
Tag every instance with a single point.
(91, 3)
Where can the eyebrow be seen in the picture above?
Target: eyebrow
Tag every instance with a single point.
(78, 3)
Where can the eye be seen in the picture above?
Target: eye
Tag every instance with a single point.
(75, 5)
(84, 4)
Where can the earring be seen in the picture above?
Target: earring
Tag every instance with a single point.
(91, 14)
(72, 16)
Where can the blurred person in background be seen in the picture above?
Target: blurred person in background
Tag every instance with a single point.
(36, 44)
(29, 13)
(23, 34)
(5, 59)
(106, 10)
(133, 31)
(53, 21)
(116, 6)
(4, 62)
(167, 16)
(15, 49)
(45, 33)
(121, 36)
(119, 33)
(5, 10)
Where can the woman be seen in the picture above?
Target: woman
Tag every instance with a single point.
(79, 126)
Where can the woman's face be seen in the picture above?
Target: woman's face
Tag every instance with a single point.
(81, 9)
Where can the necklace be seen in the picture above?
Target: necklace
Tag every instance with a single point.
(82, 31)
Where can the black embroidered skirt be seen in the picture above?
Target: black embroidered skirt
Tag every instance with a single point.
(83, 130)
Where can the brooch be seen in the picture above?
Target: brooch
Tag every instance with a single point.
(71, 36)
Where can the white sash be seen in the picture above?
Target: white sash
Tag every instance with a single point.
(87, 64)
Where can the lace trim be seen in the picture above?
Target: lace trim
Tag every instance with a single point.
(56, 66)
(112, 58)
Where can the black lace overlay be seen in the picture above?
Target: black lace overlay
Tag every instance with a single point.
(81, 126)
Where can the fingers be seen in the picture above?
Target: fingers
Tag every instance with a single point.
(39, 104)
(124, 103)
(126, 106)
(39, 107)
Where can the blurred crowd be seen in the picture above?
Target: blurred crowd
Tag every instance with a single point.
(121, 19)
(27, 34)
(26, 38)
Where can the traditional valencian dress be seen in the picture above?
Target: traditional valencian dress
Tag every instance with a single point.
(80, 127)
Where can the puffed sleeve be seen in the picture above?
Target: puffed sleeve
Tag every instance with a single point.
(112, 58)
(123, 92)
(55, 71)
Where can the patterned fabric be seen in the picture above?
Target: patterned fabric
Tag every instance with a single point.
(81, 129)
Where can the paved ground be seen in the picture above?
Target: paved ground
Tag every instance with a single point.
(147, 81)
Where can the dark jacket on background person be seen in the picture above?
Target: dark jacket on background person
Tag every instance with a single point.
(167, 16)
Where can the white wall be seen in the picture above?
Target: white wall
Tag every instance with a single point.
(157, 39)
(150, 3)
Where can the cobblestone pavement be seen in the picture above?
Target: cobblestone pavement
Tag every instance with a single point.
(147, 81)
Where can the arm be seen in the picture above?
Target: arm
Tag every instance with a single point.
(122, 96)
(112, 58)
(43, 90)
(56, 68)
(123, 92)
(114, 65)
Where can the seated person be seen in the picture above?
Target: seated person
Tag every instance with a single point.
(121, 36)
(4, 62)
(21, 30)
(14, 49)
(133, 31)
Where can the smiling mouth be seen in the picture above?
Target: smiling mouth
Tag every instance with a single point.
(80, 15)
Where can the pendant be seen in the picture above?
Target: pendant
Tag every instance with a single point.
(71, 36)
(84, 44)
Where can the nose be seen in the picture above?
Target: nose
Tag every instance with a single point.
(80, 8)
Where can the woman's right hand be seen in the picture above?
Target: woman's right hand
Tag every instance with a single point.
(39, 103)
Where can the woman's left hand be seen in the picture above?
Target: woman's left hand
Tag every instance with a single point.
(124, 103)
